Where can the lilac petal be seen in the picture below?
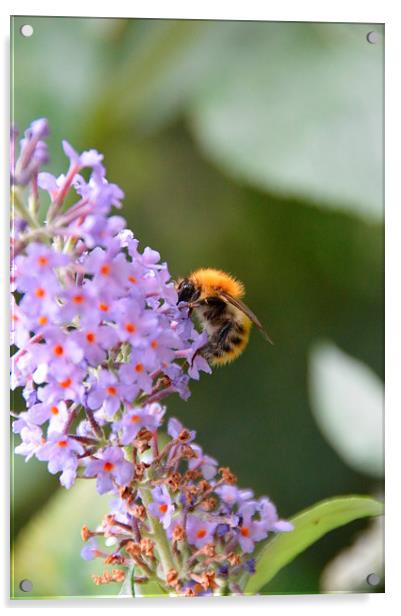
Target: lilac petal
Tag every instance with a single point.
(39, 413)
(246, 544)
(167, 517)
(259, 531)
(113, 454)
(124, 473)
(40, 374)
(92, 468)
(150, 257)
(111, 405)
(91, 158)
(39, 128)
(88, 552)
(154, 510)
(104, 483)
(47, 181)
(95, 399)
(174, 427)
(70, 152)
(68, 476)
(208, 471)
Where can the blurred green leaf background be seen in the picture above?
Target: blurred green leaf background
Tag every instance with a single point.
(252, 147)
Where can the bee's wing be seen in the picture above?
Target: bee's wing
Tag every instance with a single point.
(244, 308)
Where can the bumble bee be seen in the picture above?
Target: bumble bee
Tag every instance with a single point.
(215, 297)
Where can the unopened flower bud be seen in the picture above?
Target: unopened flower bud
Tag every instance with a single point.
(172, 577)
(138, 511)
(118, 575)
(147, 547)
(187, 452)
(86, 533)
(191, 475)
(114, 559)
(133, 549)
(178, 533)
(203, 485)
(209, 550)
(227, 475)
(209, 503)
(140, 469)
(105, 578)
(174, 481)
(233, 559)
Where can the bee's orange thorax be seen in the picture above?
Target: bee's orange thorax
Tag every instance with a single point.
(213, 281)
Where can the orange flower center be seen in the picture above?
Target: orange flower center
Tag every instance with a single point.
(201, 533)
(62, 443)
(138, 367)
(90, 337)
(54, 410)
(40, 292)
(42, 261)
(154, 344)
(244, 531)
(163, 508)
(132, 279)
(78, 299)
(130, 327)
(111, 390)
(103, 307)
(108, 466)
(58, 350)
(105, 270)
(43, 320)
(66, 383)
(135, 418)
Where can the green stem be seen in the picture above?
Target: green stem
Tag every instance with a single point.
(17, 204)
(159, 536)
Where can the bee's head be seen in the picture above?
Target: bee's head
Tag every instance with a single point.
(186, 290)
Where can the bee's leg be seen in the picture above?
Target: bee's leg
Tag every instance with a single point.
(197, 303)
(224, 332)
(208, 350)
(197, 352)
(217, 345)
(201, 351)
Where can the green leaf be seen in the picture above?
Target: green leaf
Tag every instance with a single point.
(127, 587)
(297, 109)
(130, 589)
(309, 526)
(150, 589)
(47, 550)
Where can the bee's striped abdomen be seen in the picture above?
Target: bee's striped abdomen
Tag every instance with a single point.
(227, 343)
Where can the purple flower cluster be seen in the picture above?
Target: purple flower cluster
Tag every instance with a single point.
(100, 341)
(96, 325)
(211, 525)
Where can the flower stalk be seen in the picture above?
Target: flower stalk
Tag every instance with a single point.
(101, 342)
(158, 534)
